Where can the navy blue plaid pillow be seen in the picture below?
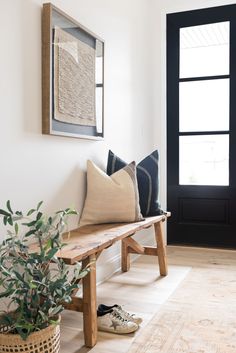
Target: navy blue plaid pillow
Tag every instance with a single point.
(148, 181)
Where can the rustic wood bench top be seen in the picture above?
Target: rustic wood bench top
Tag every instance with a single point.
(91, 239)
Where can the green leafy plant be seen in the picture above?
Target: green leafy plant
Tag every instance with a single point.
(34, 284)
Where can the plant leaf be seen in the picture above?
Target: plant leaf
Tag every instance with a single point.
(7, 293)
(18, 276)
(54, 322)
(51, 253)
(56, 310)
(39, 215)
(32, 231)
(4, 213)
(31, 211)
(72, 212)
(29, 224)
(16, 228)
(23, 332)
(48, 245)
(9, 206)
(39, 205)
(43, 315)
(19, 213)
(10, 220)
(38, 224)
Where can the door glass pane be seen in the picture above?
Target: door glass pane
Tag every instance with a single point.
(204, 50)
(204, 160)
(204, 105)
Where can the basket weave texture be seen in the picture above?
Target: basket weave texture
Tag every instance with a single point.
(43, 341)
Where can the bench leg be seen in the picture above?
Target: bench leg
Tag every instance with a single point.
(161, 249)
(90, 303)
(125, 257)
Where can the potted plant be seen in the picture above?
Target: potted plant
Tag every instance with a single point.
(33, 284)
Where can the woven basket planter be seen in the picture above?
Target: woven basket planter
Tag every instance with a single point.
(43, 341)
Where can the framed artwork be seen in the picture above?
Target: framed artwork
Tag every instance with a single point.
(72, 77)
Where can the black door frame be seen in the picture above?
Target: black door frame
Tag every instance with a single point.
(176, 229)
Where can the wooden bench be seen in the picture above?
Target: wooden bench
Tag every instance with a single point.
(86, 244)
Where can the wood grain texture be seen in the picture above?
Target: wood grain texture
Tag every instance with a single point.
(148, 250)
(125, 257)
(133, 244)
(46, 67)
(139, 291)
(91, 239)
(90, 303)
(161, 249)
(200, 315)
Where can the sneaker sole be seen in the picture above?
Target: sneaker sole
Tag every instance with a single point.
(116, 332)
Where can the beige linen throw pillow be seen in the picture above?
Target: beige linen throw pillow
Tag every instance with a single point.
(112, 198)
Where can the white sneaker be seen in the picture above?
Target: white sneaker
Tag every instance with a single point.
(102, 308)
(128, 316)
(114, 322)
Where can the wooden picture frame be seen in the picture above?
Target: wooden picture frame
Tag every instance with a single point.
(72, 77)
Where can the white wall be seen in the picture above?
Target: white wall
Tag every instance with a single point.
(36, 167)
(158, 23)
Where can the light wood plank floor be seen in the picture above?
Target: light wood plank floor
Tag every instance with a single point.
(141, 290)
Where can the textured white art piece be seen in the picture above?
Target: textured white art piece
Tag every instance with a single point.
(74, 80)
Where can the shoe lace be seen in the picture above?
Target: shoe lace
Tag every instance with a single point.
(118, 316)
(124, 313)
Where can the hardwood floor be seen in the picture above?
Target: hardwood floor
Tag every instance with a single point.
(141, 290)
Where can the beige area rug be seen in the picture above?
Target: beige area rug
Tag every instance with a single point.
(200, 317)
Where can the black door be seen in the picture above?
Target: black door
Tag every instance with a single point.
(201, 126)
